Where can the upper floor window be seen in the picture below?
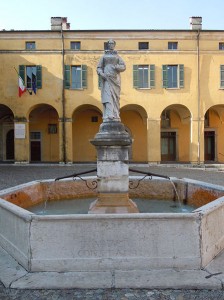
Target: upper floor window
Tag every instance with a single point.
(75, 77)
(222, 76)
(143, 45)
(30, 45)
(32, 77)
(221, 46)
(172, 45)
(105, 46)
(173, 76)
(144, 76)
(75, 45)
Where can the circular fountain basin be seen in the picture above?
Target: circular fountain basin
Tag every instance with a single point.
(91, 242)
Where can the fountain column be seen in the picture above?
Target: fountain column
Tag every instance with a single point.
(112, 143)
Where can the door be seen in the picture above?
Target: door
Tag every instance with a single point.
(10, 145)
(209, 140)
(35, 146)
(168, 146)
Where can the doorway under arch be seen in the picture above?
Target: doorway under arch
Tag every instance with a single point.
(7, 148)
(44, 134)
(214, 134)
(175, 134)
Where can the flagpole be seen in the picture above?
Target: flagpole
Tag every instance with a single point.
(22, 80)
(16, 71)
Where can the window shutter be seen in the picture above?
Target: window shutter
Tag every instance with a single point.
(165, 76)
(181, 76)
(84, 76)
(222, 76)
(135, 76)
(39, 77)
(22, 72)
(67, 77)
(99, 82)
(152, 76)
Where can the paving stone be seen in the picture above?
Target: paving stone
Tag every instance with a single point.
(10, 270)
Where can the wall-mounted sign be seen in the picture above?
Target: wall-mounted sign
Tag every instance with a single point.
(20, 131)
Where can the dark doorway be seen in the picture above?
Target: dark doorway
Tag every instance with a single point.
(209, 137)
(10, 145)
(168, 146)
(35, 147)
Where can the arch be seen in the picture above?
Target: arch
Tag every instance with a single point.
(86, 122)
(214, 134)
(44, 133)
(183, 112)
(134, 117)
(41, 107)
(175, 133)
(6, 126)
(135, 107)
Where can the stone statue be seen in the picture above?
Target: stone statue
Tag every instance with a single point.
(109, 68)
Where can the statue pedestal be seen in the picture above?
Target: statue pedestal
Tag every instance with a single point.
(112, 143)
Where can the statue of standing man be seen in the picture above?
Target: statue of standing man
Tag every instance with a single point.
(109, 68)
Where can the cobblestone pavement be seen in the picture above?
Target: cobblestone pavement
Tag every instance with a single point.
(11, 175)
(99, 294)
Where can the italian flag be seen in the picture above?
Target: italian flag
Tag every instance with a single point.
(22, 87)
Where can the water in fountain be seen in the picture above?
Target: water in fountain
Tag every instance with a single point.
(81, 206)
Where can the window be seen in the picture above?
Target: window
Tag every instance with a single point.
(143, 45)
(75, 45)
(35, 135)
(100, 82)
(172, 45)
(94, 119)
(165, 119)
(32, 76)
(144, 76)
(206, 121)
(30, 46)
(222, 76)
(75, 77)
(52, 128)
(221, 46)
(105, 46)
(173, 76)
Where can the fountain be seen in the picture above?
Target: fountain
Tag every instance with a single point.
(113, 236)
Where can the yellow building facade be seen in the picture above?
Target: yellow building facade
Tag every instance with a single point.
(172, 94)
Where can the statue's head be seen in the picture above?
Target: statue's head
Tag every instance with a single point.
(111, 44)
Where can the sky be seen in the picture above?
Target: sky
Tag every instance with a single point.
(111, 14)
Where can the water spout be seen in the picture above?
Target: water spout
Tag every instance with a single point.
(176, 193)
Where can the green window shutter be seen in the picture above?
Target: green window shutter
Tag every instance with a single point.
(222, 76)
(164, 76)
(181, 76)
(67, 77)
(135, 76)
(22, 72)
(99, 82)
(39, 77)
(152, 76)
(84, 76)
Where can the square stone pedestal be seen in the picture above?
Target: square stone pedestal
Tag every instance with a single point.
(112, 144)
